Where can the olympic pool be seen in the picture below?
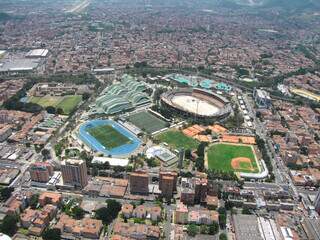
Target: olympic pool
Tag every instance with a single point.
(121, 151)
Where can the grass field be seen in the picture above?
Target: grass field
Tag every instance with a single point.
(66, 103)
(108, 136)
(147, 122)
(177, 140)
(220, 157)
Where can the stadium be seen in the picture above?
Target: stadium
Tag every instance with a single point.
(108, 137)
(197, 103)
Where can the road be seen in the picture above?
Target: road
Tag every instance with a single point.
(280, 171)
(79, 7)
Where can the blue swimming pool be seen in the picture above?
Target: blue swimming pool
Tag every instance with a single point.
(206, 83)
(95, 145)
(184, 79)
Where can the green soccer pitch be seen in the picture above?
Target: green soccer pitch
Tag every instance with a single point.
(108, 136)
(177, 140)
(147, 122)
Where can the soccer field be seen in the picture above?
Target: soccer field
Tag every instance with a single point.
(147, 122)
(108, 136)
(232, 157)
(178, 140)
(66, 103)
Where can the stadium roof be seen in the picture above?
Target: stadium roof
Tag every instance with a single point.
(112, 161)
(122, 96)
(37, 53)
(20, 64)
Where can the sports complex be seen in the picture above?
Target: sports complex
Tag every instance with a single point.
(197, 103)
(108, 137)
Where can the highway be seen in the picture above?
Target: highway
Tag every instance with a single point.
(79, 7)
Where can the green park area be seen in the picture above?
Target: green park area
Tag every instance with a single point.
(67, 103)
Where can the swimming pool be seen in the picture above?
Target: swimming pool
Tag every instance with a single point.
(223, 86)
(95, 145)
(191, 81)
(206, 83)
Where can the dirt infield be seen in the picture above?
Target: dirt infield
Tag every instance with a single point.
(237, 162)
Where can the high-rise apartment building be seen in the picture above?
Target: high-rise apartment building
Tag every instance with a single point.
(74, 173)
(139, 182)
(41, 172)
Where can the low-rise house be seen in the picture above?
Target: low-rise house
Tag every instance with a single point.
(127, 210)
(140, 212)
(85, 228)
(155, 213)
(135, 231)
(50, 198)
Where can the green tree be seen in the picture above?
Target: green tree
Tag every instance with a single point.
(109, 213)
(34, 201)
(223, 236)
(214, 228)
(9, 225)
(45, 153)
(51, 110)
(85, 96)
(200, 164)
(51, 234)
(77, 212)
(204, 229)
(5, 193)
(222, 221)
(201, 149)
(246, 211)
(192, 230)
(59, 111)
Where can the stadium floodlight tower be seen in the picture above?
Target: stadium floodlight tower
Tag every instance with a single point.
(198, 84)
(181, 158)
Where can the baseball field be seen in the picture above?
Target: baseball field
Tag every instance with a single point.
(232, 157)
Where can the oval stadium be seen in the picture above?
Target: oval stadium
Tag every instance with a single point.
(197, 103)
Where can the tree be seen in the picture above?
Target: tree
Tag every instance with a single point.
(51, 110)
(9, 225)
(201, 149)
(85, 96)
(187, 153)
(34, 201)
(200, 164)
(45, 153)
(59, 111)
(109, 213)
(51, 234)
(214, 228)
(246, 211)
(192, 230)
(78, 212)
(223, 236)
(5, 193)
(222, 221)
(204, 229)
